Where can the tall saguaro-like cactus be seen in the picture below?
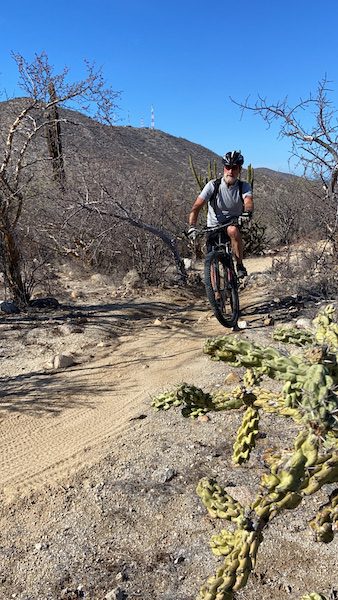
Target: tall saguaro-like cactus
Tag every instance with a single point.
(53, 135)
(250, 175)
(200, 179)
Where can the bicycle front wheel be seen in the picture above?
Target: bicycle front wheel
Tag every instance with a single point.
(221, 289)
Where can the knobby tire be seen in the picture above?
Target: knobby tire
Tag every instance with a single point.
(226, 308)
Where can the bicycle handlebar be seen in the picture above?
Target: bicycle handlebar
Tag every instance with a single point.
(243, 218)
(216, 228)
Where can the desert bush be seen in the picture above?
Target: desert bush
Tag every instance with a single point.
(309, 269)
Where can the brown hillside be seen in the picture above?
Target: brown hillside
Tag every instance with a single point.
(125, 150)
(110, 169)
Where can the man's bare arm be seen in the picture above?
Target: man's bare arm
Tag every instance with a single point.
(196, 207)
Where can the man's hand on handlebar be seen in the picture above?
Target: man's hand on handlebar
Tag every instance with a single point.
(192, 233)
(245, 217)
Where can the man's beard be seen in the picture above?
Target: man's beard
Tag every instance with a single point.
(230, 179)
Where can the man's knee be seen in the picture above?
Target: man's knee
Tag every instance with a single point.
(233, 232)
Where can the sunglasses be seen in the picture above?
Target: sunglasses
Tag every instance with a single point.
(229, 168)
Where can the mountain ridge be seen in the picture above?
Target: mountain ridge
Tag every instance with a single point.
(116, 167)
(139, 139)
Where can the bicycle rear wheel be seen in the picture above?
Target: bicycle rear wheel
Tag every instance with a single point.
(221, 289)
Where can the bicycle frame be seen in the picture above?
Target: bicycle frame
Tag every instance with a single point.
(221, 281)
(221, 246)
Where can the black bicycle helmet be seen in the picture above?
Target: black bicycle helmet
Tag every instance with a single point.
(231, 159)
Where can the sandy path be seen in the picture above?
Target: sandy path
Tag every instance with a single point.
(53, 423)
(62, 420)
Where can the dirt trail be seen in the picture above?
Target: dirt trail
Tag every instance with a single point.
(52, 423)
(99, 489)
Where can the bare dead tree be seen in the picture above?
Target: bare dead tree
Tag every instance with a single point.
(46, 91)
(102, 202)
(166, 236)
(123, 212)
(312, 126)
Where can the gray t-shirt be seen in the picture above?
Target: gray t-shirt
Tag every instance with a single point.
(228, 203)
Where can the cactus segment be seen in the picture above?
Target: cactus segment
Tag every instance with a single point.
(240, 551)
(218, 502)
(313, 596)
(325, 522)
(246, 436)
(292, 335)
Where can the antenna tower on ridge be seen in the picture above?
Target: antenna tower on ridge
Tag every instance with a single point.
(152, 118)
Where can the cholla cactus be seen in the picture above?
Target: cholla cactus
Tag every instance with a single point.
(313, 596)
(193, 400)
(309, 380)
(308, 394)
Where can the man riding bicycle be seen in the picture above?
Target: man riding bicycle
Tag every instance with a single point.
(233, 199)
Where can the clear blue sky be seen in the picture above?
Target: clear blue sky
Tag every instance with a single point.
(185, 58)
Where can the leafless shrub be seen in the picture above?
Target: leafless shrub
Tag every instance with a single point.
(311, 126)
(23, 152)
(309, 270)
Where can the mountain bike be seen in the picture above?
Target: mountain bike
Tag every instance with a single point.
(220, 278)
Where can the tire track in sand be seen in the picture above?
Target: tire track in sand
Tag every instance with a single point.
(64, 420)
(54, 423)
